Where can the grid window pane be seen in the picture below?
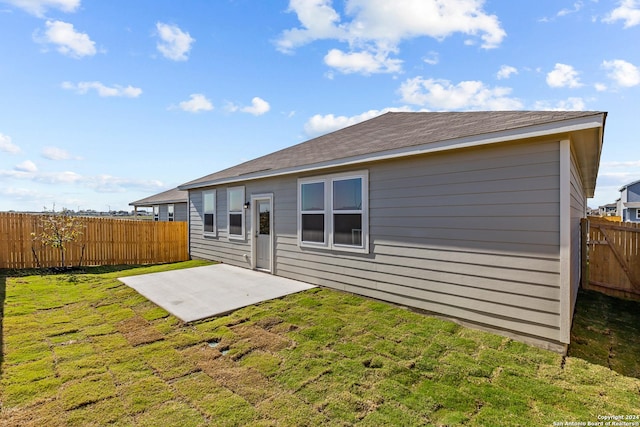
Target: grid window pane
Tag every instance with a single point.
(347, 229)
(235, 200)
(347, 194)
(313, 228)
(235, 224)
(208, 223)
(312, 196)
(208, 202)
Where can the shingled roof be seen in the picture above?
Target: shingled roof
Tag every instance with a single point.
(174, 195)
(401, 132)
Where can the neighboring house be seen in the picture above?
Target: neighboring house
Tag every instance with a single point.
(474, 215)
(170, 205)
(608, 209)
(629, 207)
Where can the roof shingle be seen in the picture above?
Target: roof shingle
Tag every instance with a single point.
(390, 131)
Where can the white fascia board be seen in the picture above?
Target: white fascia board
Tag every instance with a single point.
(536, 131)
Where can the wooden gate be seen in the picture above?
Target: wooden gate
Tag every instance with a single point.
(614, 258)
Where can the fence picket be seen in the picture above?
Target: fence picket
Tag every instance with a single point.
(614, 258)
(106, 241)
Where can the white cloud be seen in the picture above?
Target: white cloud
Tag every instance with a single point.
(174, 43)
(55, 153)
(197, 102)
(506, 71)
(628, 11)
(7, 146)
(432, 59)
(576, 8)
(258, 107)
(563, 75)
(26, 166)
(69, 42)
(103, 90)
(600, 87)
(39, 7)
(624, 73)
(373, 29)
(466, 95)
(569, 104)
(362, 62)
(112, 184)
(321, 124)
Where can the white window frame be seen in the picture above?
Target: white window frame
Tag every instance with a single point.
(328, 181)
(204, 212)
(324, 212)
(241, 236)
(638, 213)
(156, 212)
(170, 212)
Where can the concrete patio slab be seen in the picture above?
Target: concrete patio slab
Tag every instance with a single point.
(201, 292)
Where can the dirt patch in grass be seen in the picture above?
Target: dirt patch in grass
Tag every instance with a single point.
(88, 350)
(138, 331)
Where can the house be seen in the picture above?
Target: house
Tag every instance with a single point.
(170, 205)
(474, 216)
(609, 209)
(629, 205)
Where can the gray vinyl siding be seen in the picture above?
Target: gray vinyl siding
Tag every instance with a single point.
(578, 211)
(471, 234)
(179, 212)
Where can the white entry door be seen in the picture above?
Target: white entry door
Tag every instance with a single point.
(263, 242)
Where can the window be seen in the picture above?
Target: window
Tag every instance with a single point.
(170, 212)
(156, 213)
(333, 212)
(209, 211)
(235, 212)
(312, 212)
(347, 212)
(637, 213)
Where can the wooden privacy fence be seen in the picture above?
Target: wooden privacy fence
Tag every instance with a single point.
(104, 241)
(614, 257)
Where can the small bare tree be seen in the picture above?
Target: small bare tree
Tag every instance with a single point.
(56, 230)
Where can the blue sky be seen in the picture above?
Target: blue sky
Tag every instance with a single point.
(106, 102)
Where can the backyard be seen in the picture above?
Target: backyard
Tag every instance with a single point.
(84, 349)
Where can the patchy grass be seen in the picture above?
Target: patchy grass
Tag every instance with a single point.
(83, 349)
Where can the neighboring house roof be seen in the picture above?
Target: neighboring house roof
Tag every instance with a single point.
(608, 205)
(174, 195)
(401, 134)
(629, 185)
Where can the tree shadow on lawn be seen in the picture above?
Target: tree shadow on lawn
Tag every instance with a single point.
(606, 331)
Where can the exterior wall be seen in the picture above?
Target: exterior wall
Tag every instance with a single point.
(630, 194)
(578, 207)
(471, 234)
(633, 193)
(179, 212)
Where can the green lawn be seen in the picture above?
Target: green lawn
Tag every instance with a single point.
(84, 349)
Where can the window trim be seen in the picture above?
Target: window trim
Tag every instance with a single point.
(325, 241)
(638, 213)
(329, 211)
(241, 236)
(156, 213)
(170, 212)
(213, 233)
